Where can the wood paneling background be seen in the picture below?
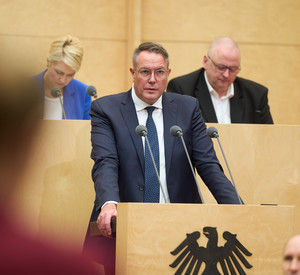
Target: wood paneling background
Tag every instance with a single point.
(267, 31)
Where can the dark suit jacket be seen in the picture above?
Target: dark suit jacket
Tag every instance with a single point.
(248, 105)
(118, 153)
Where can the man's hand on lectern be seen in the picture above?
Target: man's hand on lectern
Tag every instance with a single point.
(104, 219)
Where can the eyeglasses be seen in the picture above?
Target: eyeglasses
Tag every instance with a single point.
(222, 68)
(159, 74)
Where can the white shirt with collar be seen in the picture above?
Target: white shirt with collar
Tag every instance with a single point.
(221, 105)
(142, 115)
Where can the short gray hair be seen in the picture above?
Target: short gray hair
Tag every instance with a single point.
(225, 42)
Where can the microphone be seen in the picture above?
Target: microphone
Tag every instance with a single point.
(141, 130)
(56, 92)
(177, 132)
(213, 133)
(91, 91)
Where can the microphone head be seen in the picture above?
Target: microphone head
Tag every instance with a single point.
(91, 91)
(55, 92)
(212, 132)
(176, 131)
(141, 130)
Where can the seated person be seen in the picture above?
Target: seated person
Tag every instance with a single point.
(64, 60)
(223, 97)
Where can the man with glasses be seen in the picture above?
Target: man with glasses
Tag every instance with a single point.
(223, 97)
(122, 171)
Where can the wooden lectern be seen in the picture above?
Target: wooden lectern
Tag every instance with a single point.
(148, 233)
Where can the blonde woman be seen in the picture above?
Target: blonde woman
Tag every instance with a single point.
(64, 60)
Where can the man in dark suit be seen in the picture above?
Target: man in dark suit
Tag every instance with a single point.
(118, 152)
(223, 97)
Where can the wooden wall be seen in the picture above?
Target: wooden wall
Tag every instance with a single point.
(267, 32)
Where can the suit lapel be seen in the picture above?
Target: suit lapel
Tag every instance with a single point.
(130, 118)
(170, 115)
(203, 96)
(236, 105)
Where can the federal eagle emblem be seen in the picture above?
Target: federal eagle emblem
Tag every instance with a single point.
(231, 256)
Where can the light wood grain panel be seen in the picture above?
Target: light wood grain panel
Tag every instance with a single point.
(185, 57)
(57, 195)
(154, 230)
(104, 66)
(264, 161)
(134, 33)
(27, 53)
(255, 21)
(277, 68)
(94, 19)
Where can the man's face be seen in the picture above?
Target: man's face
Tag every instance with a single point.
(59, 74)
(150, 76)
(291, 257)
(221, 57)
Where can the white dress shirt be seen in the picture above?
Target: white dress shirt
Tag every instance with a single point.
(221, 105)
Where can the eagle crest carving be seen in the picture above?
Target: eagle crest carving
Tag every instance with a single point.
(231, 256)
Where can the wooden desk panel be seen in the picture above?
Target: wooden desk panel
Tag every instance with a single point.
(58, 195)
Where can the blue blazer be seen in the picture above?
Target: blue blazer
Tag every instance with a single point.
(118, 154)
(76, 101)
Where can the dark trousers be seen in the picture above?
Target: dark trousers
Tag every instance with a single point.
(100, 249)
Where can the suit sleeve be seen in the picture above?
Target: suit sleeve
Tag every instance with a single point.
(173, 87)
(265, 116)
(105, 156)
(184, 85)
(256, 101)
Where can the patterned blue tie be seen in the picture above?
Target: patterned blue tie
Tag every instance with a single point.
(151, 182)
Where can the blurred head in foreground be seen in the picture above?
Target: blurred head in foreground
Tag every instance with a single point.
(20, 252)
(20, 113)
(291, 256)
